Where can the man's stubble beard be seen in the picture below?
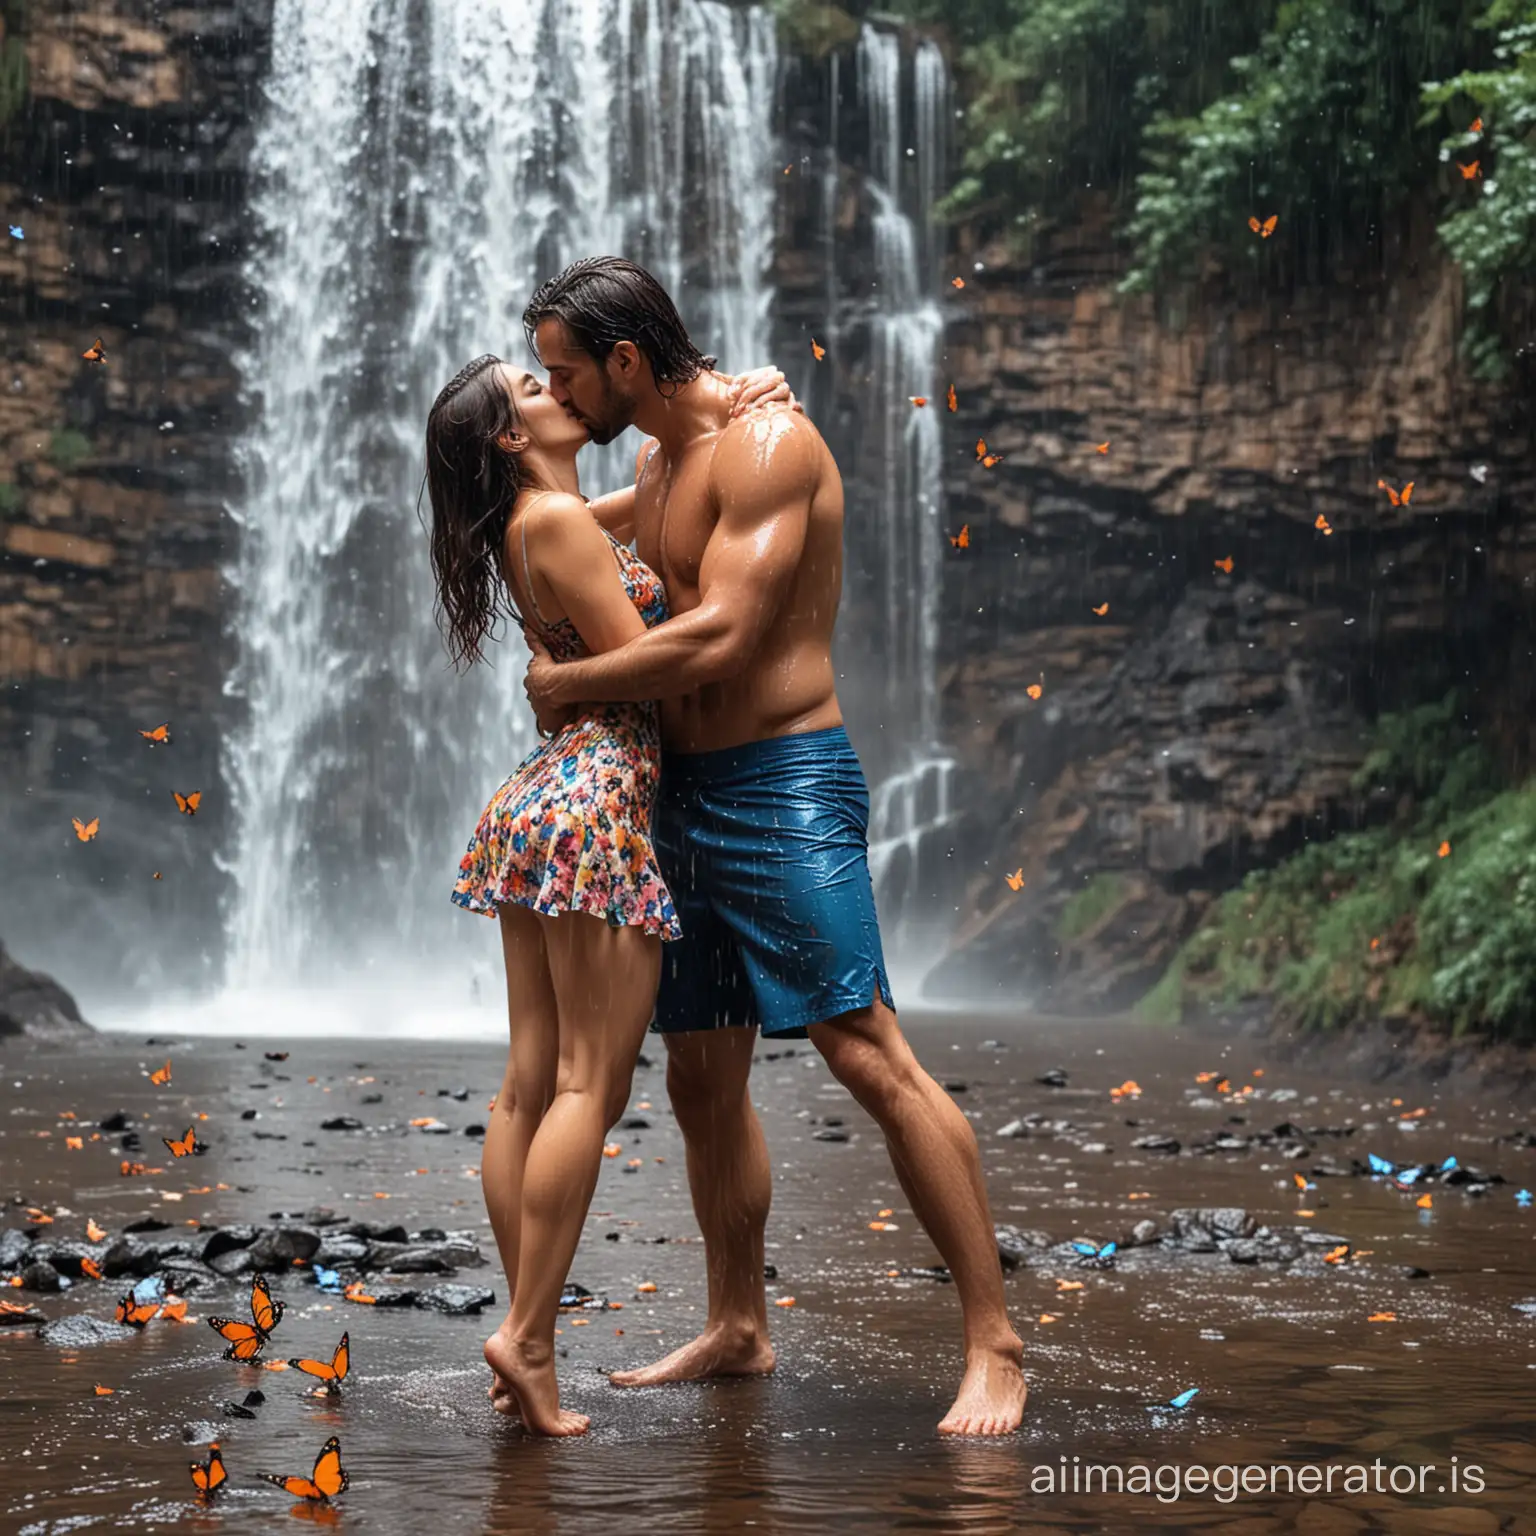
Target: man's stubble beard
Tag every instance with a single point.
(618, 413)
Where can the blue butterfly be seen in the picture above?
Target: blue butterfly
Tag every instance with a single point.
(152, 1289)
(327, 1279)
(1408, 1175)
(1522, 1197)
(1448, 1164)
(1100, 1258)
(1184, 1399)
(1379, 1164)
(16, 233)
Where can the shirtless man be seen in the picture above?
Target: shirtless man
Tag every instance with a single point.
(761, 822)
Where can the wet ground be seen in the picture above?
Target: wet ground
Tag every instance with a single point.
(1294, 1379)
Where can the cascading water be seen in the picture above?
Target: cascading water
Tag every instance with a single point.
(421, 166)
(913, 809)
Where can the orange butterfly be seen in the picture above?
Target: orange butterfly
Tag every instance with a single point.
(246, 1339)
(207, 1476)
(1225, 565)
(156, 875)
(1035, 690)
(354, 1291)
(1102, 609)
(1469, 171)
(174, 1308)
(161, 1076)
(102, 1391)
(962, 540)
(918, 400)
(324, 1483)
(333, 1374)
(1445, 850)
(161, 733)
(954, 403)
(1425, 1202)
(135, 1313)
(95, 353)
(1015, 880)
(1267, 228)
(1101, 447)
(817, 350)
(1399, 498)
(186, 1146)
(1322, 525)
(987, 459)
(86, 830)
(187, 804)
(94, 1232)
(89, 1266)
(957, 282)
(129, 1170)
(1477, 125)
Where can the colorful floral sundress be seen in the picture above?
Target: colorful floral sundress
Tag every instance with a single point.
(570, 829)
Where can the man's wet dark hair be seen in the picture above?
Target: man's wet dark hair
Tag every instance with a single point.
(604, 300)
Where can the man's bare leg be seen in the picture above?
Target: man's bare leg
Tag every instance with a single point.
(935, 1156)
(729, 1177)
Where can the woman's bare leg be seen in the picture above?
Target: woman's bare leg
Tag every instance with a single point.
(605, 986)
(525, 1093)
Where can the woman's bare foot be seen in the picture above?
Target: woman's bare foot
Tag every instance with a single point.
(718, 1351)
(527, 1366)
(992, 1393)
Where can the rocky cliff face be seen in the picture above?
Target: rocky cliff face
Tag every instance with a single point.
(124, 169)
(1209, 719)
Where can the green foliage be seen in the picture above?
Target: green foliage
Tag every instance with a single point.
(1103, 893)
(1492, 233)
(1323, 129)
(67, 448)
(813, 29)
(10, 499)
(13, 58)
(1377, 923)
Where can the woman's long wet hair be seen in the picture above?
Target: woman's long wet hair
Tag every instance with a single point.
(604, 300)
(472, 481)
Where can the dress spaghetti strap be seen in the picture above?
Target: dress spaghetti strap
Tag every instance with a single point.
(528, 574)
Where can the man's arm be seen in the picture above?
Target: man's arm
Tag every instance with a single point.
(763, 475)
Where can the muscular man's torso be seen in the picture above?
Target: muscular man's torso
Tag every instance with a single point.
(788, 686)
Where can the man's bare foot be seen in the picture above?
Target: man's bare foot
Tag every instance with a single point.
(991, 1396)
(527, 1366)
(717, 1351)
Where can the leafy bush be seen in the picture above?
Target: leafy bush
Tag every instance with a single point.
(1103, 893)
(67, 448)
(1493, 240)
(1378, 922)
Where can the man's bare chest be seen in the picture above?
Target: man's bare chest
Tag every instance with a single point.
(674, 517)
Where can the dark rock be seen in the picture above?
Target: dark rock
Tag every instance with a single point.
(39, 1275)
(456, 1300)
(185, 1276)
(1264, 1247)
(14, 1244)
(147, 1224)
(238, 1411)
(1157, 1143)
(957, 1087)
(372, 1098)
(1143, 1233)
(237, 1261)
(642, 1062)
(321, 1216)
(461, 1094)
(130, 1142)
(341, 1123)
(81, 1331)
(770, 1271)
(474, 1130)
(116, 1121)
(1413, 1272)
(392, 1296)
(240, 1234)
(68, 1256)
(249, 1114)
(1212, 1221)
(429, 1235)
(1016, 1247)
(270, 1135)
(424, 1260)
(1055, 1078)
(337, 1250)
(378, 1232)
(634, 1123)
(930, 1272)
(128, 1255)
(829, 1135)
(278, 1247)
(34, 1004)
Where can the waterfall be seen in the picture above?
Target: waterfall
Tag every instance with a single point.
(913, 811)
(420, 166)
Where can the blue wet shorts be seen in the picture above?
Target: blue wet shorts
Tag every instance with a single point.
(765, 850)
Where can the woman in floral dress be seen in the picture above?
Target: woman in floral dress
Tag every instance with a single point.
(562, 853)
